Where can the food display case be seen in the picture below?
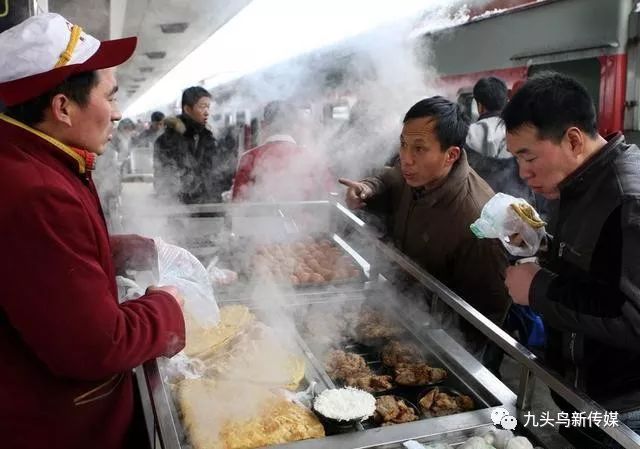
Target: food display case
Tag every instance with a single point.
(327, 320)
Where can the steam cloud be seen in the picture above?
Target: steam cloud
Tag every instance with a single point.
(379, 76)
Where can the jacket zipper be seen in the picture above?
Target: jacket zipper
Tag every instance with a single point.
(572, 346)
(564, 246)
(572, 339)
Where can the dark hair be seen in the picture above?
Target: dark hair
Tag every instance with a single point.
(492, 93)
(279, 111)
(552, 103)
(157, 116)
(76, 87)
(126, 123)
(451, 123)
(191, 95)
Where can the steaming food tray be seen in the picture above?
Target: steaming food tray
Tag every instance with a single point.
(465, 375)
(434, 344)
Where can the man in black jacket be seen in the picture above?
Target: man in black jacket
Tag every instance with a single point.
(188, 161)
(588, 289)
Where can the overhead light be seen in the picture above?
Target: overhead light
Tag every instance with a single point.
(156, 54)
(172, 28)
(146, 69)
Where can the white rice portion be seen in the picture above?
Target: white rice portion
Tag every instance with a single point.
(345, 404)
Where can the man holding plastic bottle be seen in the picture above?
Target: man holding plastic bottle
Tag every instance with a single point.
(66, 345)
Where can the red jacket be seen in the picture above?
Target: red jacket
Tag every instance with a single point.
(280, 170)
(66, 347)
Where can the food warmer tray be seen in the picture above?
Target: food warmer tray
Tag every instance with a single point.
(469, 375)
(375, 256)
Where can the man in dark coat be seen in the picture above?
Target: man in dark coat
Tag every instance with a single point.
(588, 287)
(431, 198)
(189, 164)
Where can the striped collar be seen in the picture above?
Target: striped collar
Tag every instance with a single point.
(86, 160)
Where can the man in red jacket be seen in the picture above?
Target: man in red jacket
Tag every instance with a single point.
(67, 347)
(280, 169)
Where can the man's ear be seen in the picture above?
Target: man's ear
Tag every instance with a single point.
(577, 141)
(61, 109)
(453, 154)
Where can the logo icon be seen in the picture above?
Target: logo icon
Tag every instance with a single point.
(501, 417)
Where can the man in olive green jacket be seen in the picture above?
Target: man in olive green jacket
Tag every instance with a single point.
(430, 198)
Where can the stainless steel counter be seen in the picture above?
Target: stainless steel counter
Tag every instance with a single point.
(380, 262)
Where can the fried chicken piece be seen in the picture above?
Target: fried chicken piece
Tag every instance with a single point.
(438, 374)
(444, 401)
(465, 402)
(436, 403)
(427, 400)
(407, 414)
(391, 410)
(374, 325)
(412, 374)
(387, 407)
(372, 383)
(353, 370)
(396, 353)
(344, 365)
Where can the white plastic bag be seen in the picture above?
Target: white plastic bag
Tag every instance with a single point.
(128, 289)
(180, 367)
(220, 276)
(499, 220)
(178, 267)
(304, 398)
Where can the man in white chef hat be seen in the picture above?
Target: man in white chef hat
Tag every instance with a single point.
(66, 345)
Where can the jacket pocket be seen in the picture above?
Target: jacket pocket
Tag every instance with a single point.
(576, 255)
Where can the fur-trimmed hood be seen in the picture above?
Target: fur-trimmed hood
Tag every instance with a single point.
(183, 123)
(176, 124)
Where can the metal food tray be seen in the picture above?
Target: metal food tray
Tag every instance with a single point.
(166, 408)
(489, 396)
(436, 346)
(433, 429)
(240, 289)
